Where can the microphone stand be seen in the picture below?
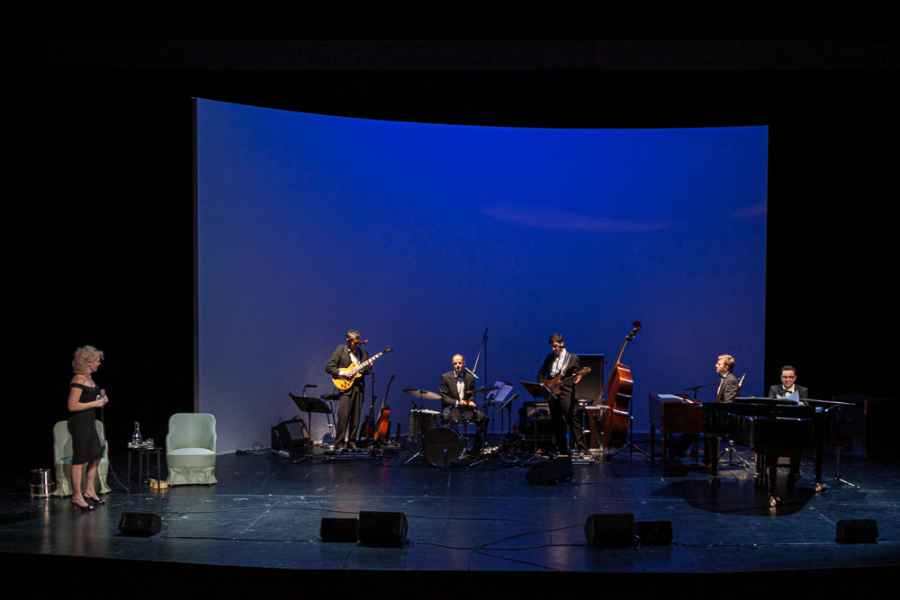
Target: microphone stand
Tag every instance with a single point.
(694, 389)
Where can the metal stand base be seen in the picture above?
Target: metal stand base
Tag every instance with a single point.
(742, 462)
(838, 480)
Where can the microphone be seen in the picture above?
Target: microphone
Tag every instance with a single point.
(471, 372)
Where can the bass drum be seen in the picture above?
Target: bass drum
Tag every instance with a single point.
(443, 447)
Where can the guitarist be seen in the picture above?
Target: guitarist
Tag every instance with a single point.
(350, 402)
(562, 405)
(458, 390)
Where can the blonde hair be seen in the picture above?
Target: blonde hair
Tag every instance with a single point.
(83, 356)
(728, 360)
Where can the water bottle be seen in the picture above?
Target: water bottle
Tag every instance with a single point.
(136, 438)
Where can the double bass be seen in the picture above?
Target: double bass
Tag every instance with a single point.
(614, 422)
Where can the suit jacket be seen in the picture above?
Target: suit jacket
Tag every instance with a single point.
(778, 390)
(340, 359)
(449, 391)
(572, 365)
(729, 388)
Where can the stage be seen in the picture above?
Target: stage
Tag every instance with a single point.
(468, 528)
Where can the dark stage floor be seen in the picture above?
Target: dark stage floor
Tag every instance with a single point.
(264, 516)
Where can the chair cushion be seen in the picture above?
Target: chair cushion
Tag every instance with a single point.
(191, 452)
(191, 457)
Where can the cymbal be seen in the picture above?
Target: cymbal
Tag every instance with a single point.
(422, 394)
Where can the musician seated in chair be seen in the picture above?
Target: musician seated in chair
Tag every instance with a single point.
(561, 362)
(350, 401)
(728, 389)
(788, 389)
(458, 400)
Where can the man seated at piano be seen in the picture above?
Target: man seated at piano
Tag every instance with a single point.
(727, 391)
(788, 389)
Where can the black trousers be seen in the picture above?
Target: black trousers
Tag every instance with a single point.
(562, 417)
(770, 464)
(349, 411)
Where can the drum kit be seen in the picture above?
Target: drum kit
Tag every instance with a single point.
(435, 434)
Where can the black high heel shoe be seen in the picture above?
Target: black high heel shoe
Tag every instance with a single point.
(93, 500)
(84, 509)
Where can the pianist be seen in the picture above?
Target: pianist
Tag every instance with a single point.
(788, 389)
(727, 391)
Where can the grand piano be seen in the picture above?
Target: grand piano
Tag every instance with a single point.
(778, 425)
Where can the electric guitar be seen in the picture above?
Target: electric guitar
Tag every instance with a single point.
(349, 375)
(554, 384)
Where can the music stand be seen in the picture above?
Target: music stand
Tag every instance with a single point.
(537, 390)
(827, 407)
(310, 405)
(499, 398)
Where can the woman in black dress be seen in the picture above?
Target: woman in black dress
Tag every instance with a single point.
(84, 397)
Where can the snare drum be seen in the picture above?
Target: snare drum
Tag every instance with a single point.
(422, 420)
(443, 447)
(459, 415)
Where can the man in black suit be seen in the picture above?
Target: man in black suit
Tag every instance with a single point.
(788, 389)
(345, 355)
(562, 405)
(727, 391)
(458, 399)
(729, 387)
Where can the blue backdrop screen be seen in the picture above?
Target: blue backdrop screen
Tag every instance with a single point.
(422, 236)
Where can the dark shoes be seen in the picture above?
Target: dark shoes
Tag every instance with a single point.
(88, 508)
(95, 500)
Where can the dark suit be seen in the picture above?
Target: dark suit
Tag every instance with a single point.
(562, 405)
(449, 391)
(350, 401)
(728, 389)
(794, 453)
(450, 398)
(778, 390)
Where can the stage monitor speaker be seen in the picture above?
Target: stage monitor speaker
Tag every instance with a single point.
(857, 531)
(339, 530)
(290, 436)
(654, 533)
(550, 472)
(382, 528)
(140, 524)
(610, 531)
